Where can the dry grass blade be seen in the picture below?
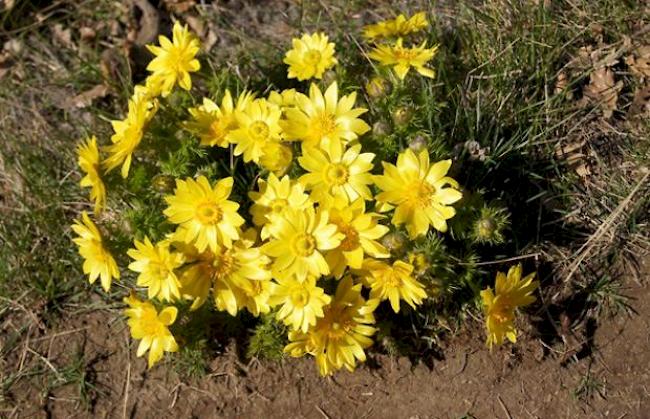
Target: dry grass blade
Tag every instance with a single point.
(584, 250)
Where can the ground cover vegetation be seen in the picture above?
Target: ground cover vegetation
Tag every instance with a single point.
(348, 188)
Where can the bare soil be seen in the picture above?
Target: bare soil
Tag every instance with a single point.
(522, 381)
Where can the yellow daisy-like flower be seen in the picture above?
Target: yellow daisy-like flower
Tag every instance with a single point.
(256, 296)
(258, 126)
(324, 120)
(400, 26)
(340, 336)
(230, 272)
(156, 265)
(361, 231)
(421, 193)
(283, 99)
(310, 57)
(510, 292)
(175, 59)
(89, 164)
(298, 238)
(301, 302)
(152, 327)
(402, 58)
(337, 174)
(276, 158)
(212, 123)
(206, 217)
(393, 283)
(274, 199)
(98, 261)
(129, 132)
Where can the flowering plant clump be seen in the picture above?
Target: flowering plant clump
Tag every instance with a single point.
(291, 205)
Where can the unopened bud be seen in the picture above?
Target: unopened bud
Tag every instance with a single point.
(419, 142)
(394, 242)
(163, 183)
(381, 128)
(378, 87)
(402, 115)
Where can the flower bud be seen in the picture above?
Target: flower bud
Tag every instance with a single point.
(378, 87)
(163, 184)
(419, 142)
(402, 115)
(381, 128)
(394, 242)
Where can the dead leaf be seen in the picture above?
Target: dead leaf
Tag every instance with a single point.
(87, 34)
(639, 62)
(602, 90)
(148, 27)
(63, 36)
(196, 25)
(85, 99)
(641, 102)
(110, 64)
(573, 156)
(179, 6)
(562, 84)
(7, 5)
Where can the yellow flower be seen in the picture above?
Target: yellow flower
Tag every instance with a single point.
(422, 194)
(98, 261)
(400, 26)
(276, 158)
(256, 296)
(152, 327)
(89, 164)
(175, 59)
(212, 123)
(283, 99)
(258, 126)
(274, 199)
(310, 57)
(393, 283)
(156, 265)
(298, 238)
(129, 132)
(302, 302)
(510, 292)
(340, 336)
(206, 217)
(337, 174)
(361, 231)
(402, 58)
(232, 274)
(324, 120)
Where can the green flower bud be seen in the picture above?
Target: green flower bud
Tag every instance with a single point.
(163, 184)
(381, 128)
(378, 87)
(394, 242)
(402, 115)
(419, 142)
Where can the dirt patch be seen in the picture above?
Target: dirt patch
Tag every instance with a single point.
(515, 382)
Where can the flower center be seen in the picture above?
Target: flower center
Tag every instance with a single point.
(224, 265)
(405, 54)
(419, 194)
(150, 324)
(312, 57)
(304, 244)
(299, 297)
(392, 280)
(259, 131)
(337, 174)
(324, 124)
(351, 240)
(220, 127)
(208, 213)
(278, 205)
(159, 271)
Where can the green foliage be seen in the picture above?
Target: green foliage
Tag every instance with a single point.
(268, 339)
